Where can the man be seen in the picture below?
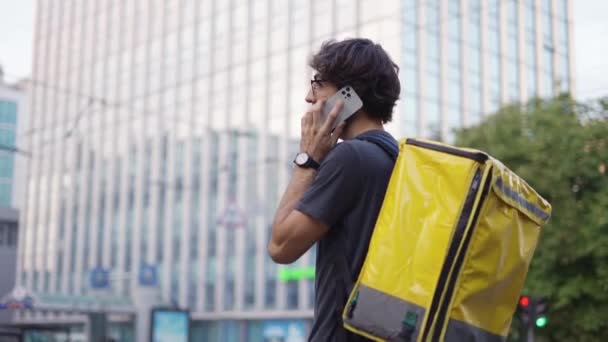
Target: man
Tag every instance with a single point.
(336, 191)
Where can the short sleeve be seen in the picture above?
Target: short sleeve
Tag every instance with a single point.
(333, 192)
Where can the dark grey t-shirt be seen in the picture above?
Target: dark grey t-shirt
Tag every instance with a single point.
(347, 194)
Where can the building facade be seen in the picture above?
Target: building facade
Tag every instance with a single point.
(162, 133)
(463, 59)
(8, 256)
(13, 163)
(13, 160)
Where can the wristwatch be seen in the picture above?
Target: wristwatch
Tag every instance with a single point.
(305, 161)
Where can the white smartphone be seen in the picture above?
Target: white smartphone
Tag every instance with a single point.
(352, 103)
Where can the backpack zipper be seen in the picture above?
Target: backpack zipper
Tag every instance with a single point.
(451, 255)
(462, 236)
(479, 157)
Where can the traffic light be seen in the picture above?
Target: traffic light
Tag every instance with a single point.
(532, 310)
(540, 312)
(524, 310)
(541, 321)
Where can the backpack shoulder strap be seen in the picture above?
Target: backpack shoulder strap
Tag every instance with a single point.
(388, 144)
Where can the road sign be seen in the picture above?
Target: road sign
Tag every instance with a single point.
(148, 275)
(99, 278)
(232, 216)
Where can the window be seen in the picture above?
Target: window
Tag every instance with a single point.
(454, 52)
(410, 80)
(410, 12)
(229, 295)
(454, 7)
(475, 60)
(565, 72)
(410, 115)
(455, 19)
(432, 116)
(532, 91)
(548, 84)
(454, 121)
(410, 41)
(209, 296)
(561, 9)
(432, 15)
(250, 273)
(432, 48)
(474, 106)
(513, 48)
(454, 73)
(6, 165)
(5, 195)
(8, 112)
(454, 93)
(548, 60)
(494, 69)
(300, 26)
(7, 137)
(292, 295)
(432, 87)
(270, 298)
(494, 41)
(547, 27)
(512, 13)
(531, 54)
(12, 236)
(530, 23)
(346, 14)
(563, 36)
(493, 8)
(513, 74)
(474, 34)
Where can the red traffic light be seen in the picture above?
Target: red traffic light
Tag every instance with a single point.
(524, 301)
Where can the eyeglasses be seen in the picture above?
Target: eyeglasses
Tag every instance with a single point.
(315, 84)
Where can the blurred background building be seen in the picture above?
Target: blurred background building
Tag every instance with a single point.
(162, 133)
(13, 164)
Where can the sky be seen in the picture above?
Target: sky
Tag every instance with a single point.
(590, 43)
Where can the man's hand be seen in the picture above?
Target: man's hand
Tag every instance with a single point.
(317, 138)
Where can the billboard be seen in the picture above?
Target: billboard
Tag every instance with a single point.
(169, 325)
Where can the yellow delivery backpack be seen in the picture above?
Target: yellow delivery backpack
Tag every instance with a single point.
(450, 250)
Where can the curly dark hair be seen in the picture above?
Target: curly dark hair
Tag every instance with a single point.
(365, 66)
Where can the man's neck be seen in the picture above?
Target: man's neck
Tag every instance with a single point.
(361, 123)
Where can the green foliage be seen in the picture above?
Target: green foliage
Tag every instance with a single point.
(561, 148)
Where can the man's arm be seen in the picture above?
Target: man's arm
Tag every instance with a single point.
(293, 232)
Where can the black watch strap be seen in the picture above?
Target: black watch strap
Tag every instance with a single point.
(312, 163)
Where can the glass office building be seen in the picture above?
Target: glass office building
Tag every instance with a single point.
(462, 59)
(162, 134)
(12, 161)
(8, 130)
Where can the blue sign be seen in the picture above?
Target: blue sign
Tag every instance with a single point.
(25, 303)
(99, 278)
(28, 302)
(148, 275)
(284, 331)
(170, 325)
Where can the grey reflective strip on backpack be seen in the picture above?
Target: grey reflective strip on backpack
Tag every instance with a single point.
(384, 316)
(387, 317)
(460, 331)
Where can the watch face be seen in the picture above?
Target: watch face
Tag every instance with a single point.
(301, 158)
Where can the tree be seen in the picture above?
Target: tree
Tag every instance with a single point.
(561, 148)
